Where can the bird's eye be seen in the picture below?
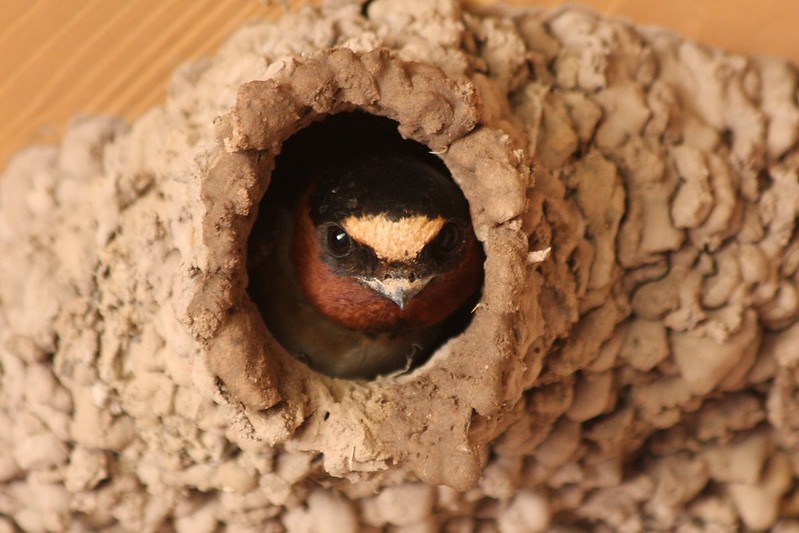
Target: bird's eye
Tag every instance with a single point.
(449, 239)
(338, 241)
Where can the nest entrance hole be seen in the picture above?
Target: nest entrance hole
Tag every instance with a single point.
(305, 154)
(338, 137)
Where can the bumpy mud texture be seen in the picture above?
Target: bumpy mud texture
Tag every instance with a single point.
(632, 365)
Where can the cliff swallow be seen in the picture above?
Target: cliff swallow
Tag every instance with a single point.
(368, 264)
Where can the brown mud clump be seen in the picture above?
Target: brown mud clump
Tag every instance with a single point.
(630, 364)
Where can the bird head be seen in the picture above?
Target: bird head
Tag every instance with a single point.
(384, 240)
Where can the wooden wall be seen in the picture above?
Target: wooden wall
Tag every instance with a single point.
(62, 57)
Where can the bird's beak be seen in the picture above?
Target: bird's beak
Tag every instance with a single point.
(399, 290)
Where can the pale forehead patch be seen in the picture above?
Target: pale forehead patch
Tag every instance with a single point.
(394, 240)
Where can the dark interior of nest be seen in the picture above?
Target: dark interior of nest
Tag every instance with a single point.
(305, 154)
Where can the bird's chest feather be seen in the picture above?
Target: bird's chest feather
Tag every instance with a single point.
(336, 350)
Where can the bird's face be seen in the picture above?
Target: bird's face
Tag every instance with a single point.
(395, 258)
(384, 241)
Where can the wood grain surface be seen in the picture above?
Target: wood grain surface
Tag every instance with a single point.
(60, 58)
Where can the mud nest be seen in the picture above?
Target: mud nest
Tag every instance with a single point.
(631, 363)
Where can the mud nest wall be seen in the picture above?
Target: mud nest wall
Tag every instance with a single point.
(632, 362)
